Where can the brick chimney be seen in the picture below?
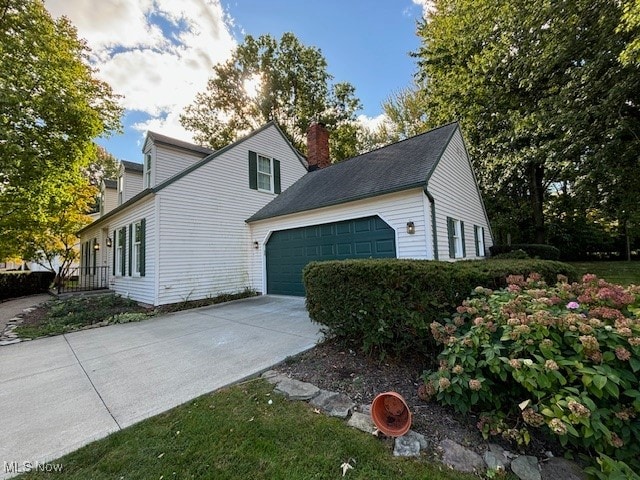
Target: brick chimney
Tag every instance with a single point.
(317, 146)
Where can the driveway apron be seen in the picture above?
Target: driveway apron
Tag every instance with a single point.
(60, 393)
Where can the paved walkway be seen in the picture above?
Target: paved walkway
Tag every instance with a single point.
(11, 308)
(60, 393)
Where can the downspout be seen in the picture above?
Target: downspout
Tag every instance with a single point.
(434, 231)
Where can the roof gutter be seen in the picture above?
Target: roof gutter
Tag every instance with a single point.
(434, 230)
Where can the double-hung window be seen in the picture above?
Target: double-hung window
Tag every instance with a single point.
(120, 252)
(265, 174)
(479, 234)
(147, 170)
(137, 248)
(455, 231)
(120, 189)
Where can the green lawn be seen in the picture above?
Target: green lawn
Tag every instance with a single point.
(236, 434)
(621, 272)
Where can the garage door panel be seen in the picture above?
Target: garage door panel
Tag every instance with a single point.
(288, 251)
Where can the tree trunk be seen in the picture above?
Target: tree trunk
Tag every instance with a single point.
(535, 178)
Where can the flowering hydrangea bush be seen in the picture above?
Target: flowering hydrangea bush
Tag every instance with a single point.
(565, 359)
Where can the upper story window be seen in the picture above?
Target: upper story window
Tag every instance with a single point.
(120, 189)
(265, 177)
(264, 173)
(147, 170)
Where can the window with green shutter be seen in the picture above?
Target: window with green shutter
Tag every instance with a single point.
(264, 173)
(138, 250)
(479, 238)
(455, 233)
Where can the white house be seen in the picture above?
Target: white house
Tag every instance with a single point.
(252, 214)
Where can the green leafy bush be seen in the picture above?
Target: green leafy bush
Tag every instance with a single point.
(20, 284)
(565, 359)
(512, 255)
(534, 250)
(386, 305)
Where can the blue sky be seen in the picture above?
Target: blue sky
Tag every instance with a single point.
(158, 54)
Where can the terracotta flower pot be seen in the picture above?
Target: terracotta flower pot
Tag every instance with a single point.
(390, 413)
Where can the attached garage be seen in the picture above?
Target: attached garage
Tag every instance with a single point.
(288, 251)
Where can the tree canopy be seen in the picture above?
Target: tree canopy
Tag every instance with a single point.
(52, 109)
(543, 99)
(269, 79)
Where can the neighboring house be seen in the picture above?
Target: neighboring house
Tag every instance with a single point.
(252, 214)
(108, 196)
(129, 181)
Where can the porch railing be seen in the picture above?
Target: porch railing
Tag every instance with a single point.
(83, 279)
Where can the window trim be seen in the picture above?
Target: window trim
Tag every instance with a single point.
(270, 174)
(136, 253)
(120, 252)
(121, 189)
(147, 170)
(455, 235)
(480, 246)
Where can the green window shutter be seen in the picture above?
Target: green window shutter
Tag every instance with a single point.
(475, 237)
(143, 228)
(450, 233)
(123, 239)
(464, 246)
(95, 255)
(253, 170)
(130, 248)
(276, 176)
(114, 244)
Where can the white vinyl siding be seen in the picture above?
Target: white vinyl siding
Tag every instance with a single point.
(169, 161)
(205, 245)
(457, 196)
(396, 209)
(140, 288)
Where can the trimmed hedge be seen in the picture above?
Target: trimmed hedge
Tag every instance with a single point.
(534, 250)
(20, 284)
(387, 305)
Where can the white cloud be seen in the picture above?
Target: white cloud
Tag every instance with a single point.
(156, 53)
(427, 6)
(372, 123)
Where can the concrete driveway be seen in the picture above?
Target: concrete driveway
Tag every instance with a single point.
(59, 393)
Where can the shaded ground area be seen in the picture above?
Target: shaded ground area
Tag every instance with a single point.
(335, 366)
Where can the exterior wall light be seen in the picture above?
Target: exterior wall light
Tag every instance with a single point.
(411, 228)
(256, 245)
(109, 242)
(96, 246)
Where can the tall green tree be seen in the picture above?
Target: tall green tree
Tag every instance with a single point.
(52, 107)
(539, 89)
(266, 79)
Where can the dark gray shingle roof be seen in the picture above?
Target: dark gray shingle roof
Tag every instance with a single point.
(396, 167)
(108, 183)
(159, 138)
(132, 166)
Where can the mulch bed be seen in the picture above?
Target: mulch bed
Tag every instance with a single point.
(334, 365)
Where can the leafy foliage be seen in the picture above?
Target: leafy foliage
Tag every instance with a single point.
(533, 250)
(565, 359)
(292, 88)
(52, 109)
(543, 100)
(20, 284)
(386, 305)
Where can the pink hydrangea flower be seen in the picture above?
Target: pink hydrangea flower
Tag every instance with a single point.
(573, 305)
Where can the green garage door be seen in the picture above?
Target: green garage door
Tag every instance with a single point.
(288, 251)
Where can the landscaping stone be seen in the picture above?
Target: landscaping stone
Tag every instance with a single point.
(296, 390)
(410, 444)
(361, 421)
(561, 468)
(497, 457)
(333, 404)
(526, 467)
(273, 377)
(365, 408)
(406, 446)
(460, 458)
